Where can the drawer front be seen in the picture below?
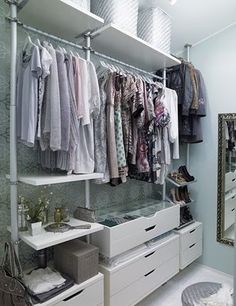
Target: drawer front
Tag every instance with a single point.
(230, 206)
(144, 286)
(116, 240)
(155, 257)
(230, 181)
(91, 295)
(190, 237)
(189, 255)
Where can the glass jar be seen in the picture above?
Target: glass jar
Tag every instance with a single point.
(66, 214)
(58, 215)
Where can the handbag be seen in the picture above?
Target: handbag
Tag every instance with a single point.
(12, 289)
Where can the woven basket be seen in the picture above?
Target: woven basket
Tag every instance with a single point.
(154, 26)
(84, 4)
(123, 13)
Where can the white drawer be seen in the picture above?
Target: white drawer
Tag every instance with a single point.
(190, 254)
(123, 275)
(230, 205)
(91, 295)
(230, 181)
(138, 290)
(118, 239)
(192, 235)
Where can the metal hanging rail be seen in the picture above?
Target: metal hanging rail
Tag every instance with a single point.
(88, 48)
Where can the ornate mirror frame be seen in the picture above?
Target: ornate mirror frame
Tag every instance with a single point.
(221, 178)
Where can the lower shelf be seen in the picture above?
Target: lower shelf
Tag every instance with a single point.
(76, 289)
(47, 239)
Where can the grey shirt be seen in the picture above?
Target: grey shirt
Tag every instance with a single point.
(29, 71)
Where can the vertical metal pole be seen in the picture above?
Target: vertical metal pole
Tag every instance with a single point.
(87, 56)
(87, 182)
(188, 47)
(87, 194)
(13, 140)
(164, 184)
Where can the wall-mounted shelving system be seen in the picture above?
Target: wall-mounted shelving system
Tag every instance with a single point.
(63, 21)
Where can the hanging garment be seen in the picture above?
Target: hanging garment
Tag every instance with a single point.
(120, 150)
(170, 101)
(51, 112)
(29, 72)
(90, 104)
(46, 62)
(100, 132)
(64, 100)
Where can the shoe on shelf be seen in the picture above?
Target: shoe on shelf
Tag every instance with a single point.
(174, 197)
(177, 177)
(183, 170)
(185, 194)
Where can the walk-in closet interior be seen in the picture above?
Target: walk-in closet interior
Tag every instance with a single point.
(117, 152)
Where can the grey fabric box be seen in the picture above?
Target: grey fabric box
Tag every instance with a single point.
(77, 259)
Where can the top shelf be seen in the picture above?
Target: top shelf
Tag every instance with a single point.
(62, 18)
(114, 42)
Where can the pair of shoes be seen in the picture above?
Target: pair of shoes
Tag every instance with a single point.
(180, 195)
(177, 177)
(185, 216)
(183, 170)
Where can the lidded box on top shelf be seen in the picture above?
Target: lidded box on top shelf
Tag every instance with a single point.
(123, 13)
(154, 26)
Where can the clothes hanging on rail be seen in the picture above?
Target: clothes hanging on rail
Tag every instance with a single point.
(137, 128)
(81, 120)
(190, 88)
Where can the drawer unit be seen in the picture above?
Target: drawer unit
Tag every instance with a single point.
(137, 291)
(193, 252)
(144, 270)
(190, 243)
(230, 181)
(118, 239)
(230, 205)
(91, 294)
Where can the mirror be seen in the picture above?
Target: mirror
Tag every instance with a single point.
(226, 178)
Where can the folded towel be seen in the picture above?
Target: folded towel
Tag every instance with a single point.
(43, 280)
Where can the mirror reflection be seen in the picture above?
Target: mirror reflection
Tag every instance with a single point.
(226, 178)
(230, 178)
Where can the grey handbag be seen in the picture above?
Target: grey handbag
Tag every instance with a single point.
(12, 290)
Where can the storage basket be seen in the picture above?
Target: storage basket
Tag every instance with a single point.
(77, 259)
(123, 13)
(84, 4)
(154, 26)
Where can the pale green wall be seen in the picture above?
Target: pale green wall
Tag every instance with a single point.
(216, 58)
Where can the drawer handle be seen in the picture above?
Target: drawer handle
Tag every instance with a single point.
(191, 246)
(233, 179)
(149, 273)
(233, 209)
(72, 296)
(192, 231)
(233, 197)
(150, 254)
(150, 228)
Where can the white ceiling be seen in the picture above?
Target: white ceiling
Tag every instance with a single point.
(194, 20)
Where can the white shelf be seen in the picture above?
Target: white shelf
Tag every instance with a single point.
(73, 290)
(48, 239)
(50, 179)
(62, 18)
(179, 185)
(130, 49)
